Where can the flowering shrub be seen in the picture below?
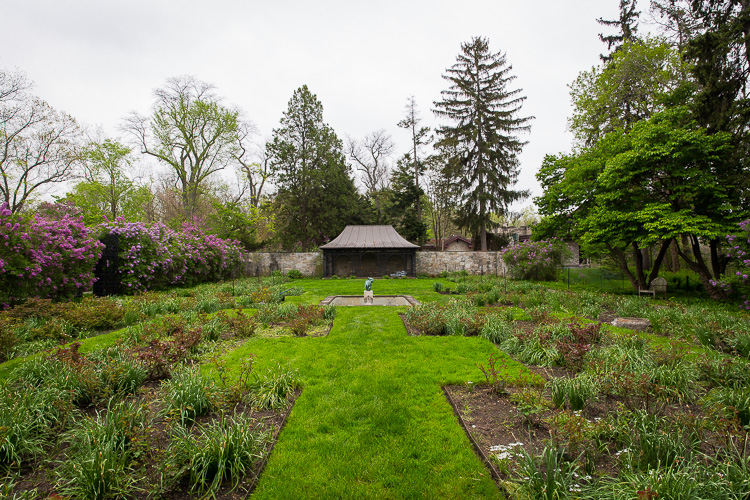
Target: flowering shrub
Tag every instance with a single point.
(154, 256)
(535, 260)
(739, 280)
(46, 256)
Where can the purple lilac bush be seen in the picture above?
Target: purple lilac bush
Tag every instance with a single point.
(153, 256)
(535, 260)
(50, 255)
(738, 282)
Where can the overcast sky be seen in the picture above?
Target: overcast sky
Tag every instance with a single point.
(98, 60)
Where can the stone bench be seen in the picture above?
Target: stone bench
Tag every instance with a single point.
(658, 286)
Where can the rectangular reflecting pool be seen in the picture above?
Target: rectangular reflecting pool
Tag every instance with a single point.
(377, 300)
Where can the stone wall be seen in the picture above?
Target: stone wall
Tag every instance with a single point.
(263, 263)
(434, 263)
(431, 263)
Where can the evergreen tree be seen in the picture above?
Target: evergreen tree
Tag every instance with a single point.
(316, 193)
(402, 206)
(484, 136)
(627, 24)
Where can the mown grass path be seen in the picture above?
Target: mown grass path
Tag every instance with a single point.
(372, 421)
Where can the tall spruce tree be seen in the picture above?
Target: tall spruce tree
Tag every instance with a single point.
(316, 193)
(484, 135)
(627, 24)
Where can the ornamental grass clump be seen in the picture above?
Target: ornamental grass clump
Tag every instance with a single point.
(99, 457)
(27, 414)
(187, 396)
(455, 318)
(212, 455)
(274, 390)
(535, 260)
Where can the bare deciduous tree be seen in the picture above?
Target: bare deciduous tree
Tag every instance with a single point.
(38, 145)
(371, 157)
(254, 164)
(190, 131)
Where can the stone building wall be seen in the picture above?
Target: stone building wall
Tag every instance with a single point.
(263, 263)
(430, 263)
(434, 263)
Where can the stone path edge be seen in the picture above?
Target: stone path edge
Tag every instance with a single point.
(477, 449)
(276, 434)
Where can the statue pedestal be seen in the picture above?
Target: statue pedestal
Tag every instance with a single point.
(368, 297)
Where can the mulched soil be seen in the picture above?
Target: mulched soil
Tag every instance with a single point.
(41, 476)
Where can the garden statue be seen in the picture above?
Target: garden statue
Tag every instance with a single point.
(368, 298)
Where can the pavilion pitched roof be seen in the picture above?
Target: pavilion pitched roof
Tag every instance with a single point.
(363, 237)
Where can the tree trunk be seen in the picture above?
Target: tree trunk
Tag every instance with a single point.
(675, 257)
(619, 257)
(638, 258)
(698, 266)
(665, 246)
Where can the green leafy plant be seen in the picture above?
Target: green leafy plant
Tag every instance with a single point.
(99, 457)
(530, 403)
(547, 477)
(495, 374)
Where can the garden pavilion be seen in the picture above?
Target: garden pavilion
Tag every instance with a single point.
(369, 251)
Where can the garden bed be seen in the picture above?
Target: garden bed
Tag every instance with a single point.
(39, 479)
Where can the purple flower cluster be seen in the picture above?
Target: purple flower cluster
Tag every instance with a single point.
(534, 260)
(739, 252)
(153, 256)
(45, 256)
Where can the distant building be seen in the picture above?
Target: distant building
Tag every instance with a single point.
(451, 244)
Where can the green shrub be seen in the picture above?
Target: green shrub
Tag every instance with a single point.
(437, 286)
(294, 274)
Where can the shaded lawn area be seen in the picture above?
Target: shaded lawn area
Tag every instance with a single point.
(372, 421)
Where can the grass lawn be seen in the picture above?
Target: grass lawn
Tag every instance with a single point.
(372, 421)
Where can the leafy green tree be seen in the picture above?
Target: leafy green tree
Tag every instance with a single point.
(484, 136)
(629, 88)
(316, 194)
(651, 185)
(106, 166)
(190, 131)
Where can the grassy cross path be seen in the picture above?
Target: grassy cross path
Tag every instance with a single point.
(372, 421)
